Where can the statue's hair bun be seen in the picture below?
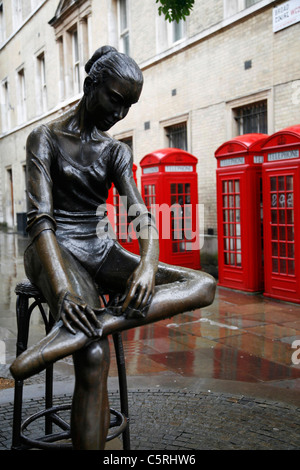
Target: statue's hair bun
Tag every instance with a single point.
(102, 51)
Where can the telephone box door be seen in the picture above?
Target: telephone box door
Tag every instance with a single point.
(239, 213)
(281, 182)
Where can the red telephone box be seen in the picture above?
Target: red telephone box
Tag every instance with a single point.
(170, 191)
(118, 218)
(239, 207)
(281, 182)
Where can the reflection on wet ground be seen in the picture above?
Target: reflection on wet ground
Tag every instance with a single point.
(240, 338)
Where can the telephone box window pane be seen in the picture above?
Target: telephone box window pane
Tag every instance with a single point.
(275, 249)
(290, 233)
(289, 183)
(291, 267)
(273, 217)
(282, 251)
(281, 217)
(281, 200)
(275, 265)
(290, 200)
(187, 199)
(282, 233)
(280, 183)
(290, 217)
(283, 266)
(150, 197)
(274, 200)
(291, 250)
(274, 233)
(273, 184)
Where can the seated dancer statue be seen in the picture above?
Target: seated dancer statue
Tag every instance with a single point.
(71, 164)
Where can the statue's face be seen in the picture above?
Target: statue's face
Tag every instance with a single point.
(109, 102)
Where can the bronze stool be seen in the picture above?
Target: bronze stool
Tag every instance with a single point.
(119, 419)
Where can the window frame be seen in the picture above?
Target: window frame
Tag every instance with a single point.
(21, 94)
(124, 31)
(5, 105)
(231, 106)
(42, 102)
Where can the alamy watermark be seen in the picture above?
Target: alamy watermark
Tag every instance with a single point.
(2, 352)
(174, 222)
(296, 92)
(296, 354)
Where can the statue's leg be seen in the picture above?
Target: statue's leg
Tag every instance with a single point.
(177, 289)
(90, 408)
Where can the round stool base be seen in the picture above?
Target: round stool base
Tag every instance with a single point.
(118, 424)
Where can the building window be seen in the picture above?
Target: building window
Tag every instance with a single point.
(35, 4)
(75, 62)
(252, 118)
(5, 106)
(2, 23)
(21, 93)
(168, 33)
(249, 3)
(177, 136)
(61, 68)
(127, 141)
(124, 27)
(10, 216)
(231, 7)
(176, 31)
(17, 13)
(41, 83)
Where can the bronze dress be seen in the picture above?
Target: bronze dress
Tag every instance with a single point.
(69, 199)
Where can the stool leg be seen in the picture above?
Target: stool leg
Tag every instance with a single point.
(49, 384)
(117, 338)
(22, 340)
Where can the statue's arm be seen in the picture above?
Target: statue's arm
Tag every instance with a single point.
(141, 283)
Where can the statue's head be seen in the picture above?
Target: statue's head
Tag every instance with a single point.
(114, 82)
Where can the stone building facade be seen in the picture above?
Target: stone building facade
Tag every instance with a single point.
(225, 71)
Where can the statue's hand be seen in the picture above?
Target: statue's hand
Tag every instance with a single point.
(75, 313)
(140, 286)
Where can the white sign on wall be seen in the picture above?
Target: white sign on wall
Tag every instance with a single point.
(286, 14)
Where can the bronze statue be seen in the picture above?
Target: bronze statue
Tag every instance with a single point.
(71, 164)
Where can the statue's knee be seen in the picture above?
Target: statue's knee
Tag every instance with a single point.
(92, 363)
(96, 354)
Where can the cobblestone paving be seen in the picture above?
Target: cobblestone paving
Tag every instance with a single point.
(183, 420)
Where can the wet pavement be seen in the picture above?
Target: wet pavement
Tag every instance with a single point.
(221, 377)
